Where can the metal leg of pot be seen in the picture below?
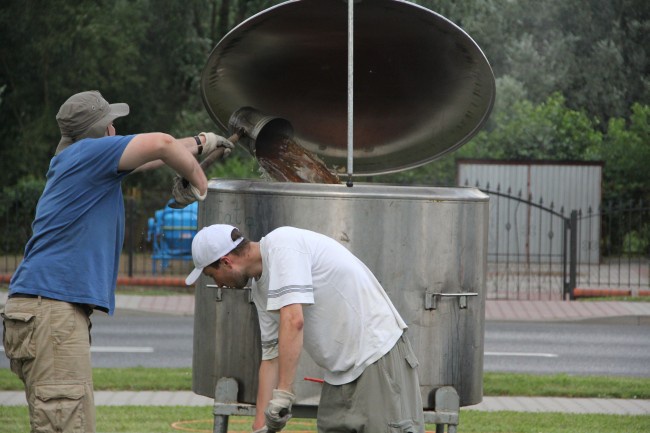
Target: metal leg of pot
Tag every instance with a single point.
(225, 404)
(447, 406)
(220, 424)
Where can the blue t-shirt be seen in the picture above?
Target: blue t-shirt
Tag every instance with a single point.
(78, 232)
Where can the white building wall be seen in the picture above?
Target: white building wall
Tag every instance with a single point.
(527, 233)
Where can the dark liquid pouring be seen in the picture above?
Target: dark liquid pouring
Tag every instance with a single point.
(285, 160)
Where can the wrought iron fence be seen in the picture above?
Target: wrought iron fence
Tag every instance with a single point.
(157, 239)
(534, 250)
(538, 252)
(155, 244)
(624, 246)
(527, 247)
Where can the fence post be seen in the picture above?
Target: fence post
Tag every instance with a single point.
(130, 218)
(565, 256)
(573, 254)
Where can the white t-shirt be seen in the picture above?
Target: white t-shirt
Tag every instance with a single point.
(349, 321)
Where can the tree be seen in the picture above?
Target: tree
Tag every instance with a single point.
(523, 131)
(151, 54)
(549, 130)
(626, 152)
(51, 50)
(594, 52)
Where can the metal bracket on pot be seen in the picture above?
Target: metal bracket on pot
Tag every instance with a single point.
(218, 293)
(431, 299)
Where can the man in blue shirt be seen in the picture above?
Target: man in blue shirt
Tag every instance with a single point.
(71, 262)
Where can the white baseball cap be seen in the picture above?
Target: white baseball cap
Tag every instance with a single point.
(209, 245)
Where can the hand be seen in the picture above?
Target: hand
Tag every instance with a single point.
(213, 141)
(278, 411)
(185, 193)
(261, 430)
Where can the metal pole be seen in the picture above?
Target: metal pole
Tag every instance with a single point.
(573, 260)
(350, 90)
(565, 257)
(131, 211)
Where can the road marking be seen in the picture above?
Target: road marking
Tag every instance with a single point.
(114, 349)
(535, 355)
(121, 349)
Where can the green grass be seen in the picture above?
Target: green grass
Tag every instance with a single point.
(154, 291)
(123, 379)
(132, 419)
(143, 379)
(141, 290)
(563, 385)
(494, 384)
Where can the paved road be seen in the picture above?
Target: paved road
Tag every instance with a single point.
(131, 339)
(149, 340)
(572, 348)
(529, 311)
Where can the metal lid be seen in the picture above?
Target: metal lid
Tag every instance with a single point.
(422, 86)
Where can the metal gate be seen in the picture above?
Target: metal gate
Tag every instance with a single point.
(624, 245)
(537, 252)
(527, 248)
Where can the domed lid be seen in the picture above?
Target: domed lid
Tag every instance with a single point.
(422, 86)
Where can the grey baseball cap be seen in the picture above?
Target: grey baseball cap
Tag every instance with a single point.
(86, 115)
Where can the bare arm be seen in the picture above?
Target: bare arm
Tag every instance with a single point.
(280, 372)
(146, 149)
(290, 344)
(188, 142)
(268, 380)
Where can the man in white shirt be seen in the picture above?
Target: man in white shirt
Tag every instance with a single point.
(312, 292)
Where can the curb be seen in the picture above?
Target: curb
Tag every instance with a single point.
(607, 406)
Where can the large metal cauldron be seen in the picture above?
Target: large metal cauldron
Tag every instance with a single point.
(427, 246)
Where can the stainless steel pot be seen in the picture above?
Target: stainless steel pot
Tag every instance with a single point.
(427, 246)
(422, 88)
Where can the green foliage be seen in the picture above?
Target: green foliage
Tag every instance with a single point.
(17, 206)
(528, 131)
(51, 50)
(568, 75)
(240, 165)
(595, 53)
(441, 172)
(626, 152)
(637, 241)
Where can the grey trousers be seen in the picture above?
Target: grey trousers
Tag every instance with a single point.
(385, 398)
(48, 345)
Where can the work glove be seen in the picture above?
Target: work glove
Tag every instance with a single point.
(278, 412)
(185, 193)
(213, 141)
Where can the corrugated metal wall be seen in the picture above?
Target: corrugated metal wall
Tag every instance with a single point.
(527, 232)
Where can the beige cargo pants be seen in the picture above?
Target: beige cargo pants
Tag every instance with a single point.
(48, 344)
(385, 398)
